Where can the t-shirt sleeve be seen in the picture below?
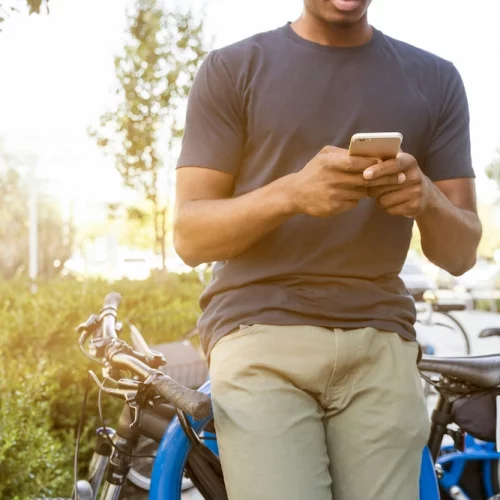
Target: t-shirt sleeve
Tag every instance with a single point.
(448, 155)
(213, 134)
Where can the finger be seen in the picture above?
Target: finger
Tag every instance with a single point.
(407, 209)
(351, 164)
(334, 150)
(389, 167)
(352, 180)
(346, 193)
(356, 193)
(378, 191)
(389, 200)
(386, 180)
(347, 180)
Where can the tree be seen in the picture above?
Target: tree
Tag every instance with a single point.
(493, 169)
(54, 236)
(154, 73)
(8, 7)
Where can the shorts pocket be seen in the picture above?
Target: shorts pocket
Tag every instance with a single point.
(240, 332)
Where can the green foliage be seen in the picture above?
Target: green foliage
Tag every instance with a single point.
(490, 242)
(8, 7)
(493, 169)
(35, 5)
(32, 458)
(162, 53)
(43, 373)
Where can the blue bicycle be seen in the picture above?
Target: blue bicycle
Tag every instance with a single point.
(188, 445)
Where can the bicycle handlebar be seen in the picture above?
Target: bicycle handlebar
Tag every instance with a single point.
(192, 402)
(108, 314)
(112, 300)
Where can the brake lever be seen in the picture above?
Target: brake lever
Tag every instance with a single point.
(138, 341)
(142, 351)
(122, 393)
(90, 325)
(133, 392)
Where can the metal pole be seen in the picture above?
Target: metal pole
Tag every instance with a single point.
(33, 229)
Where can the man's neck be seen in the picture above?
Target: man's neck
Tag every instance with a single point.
(315, 30)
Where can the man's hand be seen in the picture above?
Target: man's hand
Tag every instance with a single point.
(411, 197)
(333, 182)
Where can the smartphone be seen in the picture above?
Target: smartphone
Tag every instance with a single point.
(381, 145)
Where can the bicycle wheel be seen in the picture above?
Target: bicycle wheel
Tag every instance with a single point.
(461, 331)
(136, 486)
(138, 481)
(445, 333)
(491, 477)
(176, 454)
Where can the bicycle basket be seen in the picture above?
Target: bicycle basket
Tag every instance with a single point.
(476, 414)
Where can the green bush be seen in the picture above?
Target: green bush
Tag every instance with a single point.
(43, 373)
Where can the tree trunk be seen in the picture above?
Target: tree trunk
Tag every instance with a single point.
(156, 221)
(163, 236)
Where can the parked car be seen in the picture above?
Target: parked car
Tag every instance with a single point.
(416, 280)
(134, 268)
(483, 276)
(445, 280)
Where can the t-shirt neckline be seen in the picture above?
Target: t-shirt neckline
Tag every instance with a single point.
(290, 33)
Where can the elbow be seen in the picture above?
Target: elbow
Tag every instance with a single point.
(469, 260)
(459, 265)
(455, 263)
(184, 250)
(458, 269)
(184, 245)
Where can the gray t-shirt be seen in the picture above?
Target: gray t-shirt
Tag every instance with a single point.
(261, 109)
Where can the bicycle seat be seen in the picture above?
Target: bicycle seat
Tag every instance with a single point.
(448, 307)
(490, 332)
(480, 371)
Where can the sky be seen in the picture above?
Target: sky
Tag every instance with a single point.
(57, 75)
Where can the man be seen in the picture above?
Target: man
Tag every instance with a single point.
(308, 326)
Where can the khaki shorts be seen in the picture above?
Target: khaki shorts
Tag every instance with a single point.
(310, 413)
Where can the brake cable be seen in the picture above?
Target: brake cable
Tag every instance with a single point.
(79, 432)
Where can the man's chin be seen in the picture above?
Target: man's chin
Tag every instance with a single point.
(343, 22)
(345, 12)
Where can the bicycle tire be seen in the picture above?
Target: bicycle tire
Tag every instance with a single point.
(205, 479)
(462, 331)
(495, 477)
(137, 484)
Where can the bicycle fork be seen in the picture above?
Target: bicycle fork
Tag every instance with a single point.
(111, 460)
(119, 462)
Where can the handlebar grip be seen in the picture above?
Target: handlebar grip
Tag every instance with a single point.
(489, 332)
(194, 403)
(448, 307)
(112, 300)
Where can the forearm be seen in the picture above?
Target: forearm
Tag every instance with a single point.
(450, 235)
(213, 230)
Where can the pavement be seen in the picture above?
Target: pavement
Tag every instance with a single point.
(446, 343)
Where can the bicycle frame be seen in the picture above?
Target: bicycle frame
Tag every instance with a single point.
(171, 457)
(172, 453)
(475, 449)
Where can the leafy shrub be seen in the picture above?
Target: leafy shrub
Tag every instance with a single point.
(43, 373)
